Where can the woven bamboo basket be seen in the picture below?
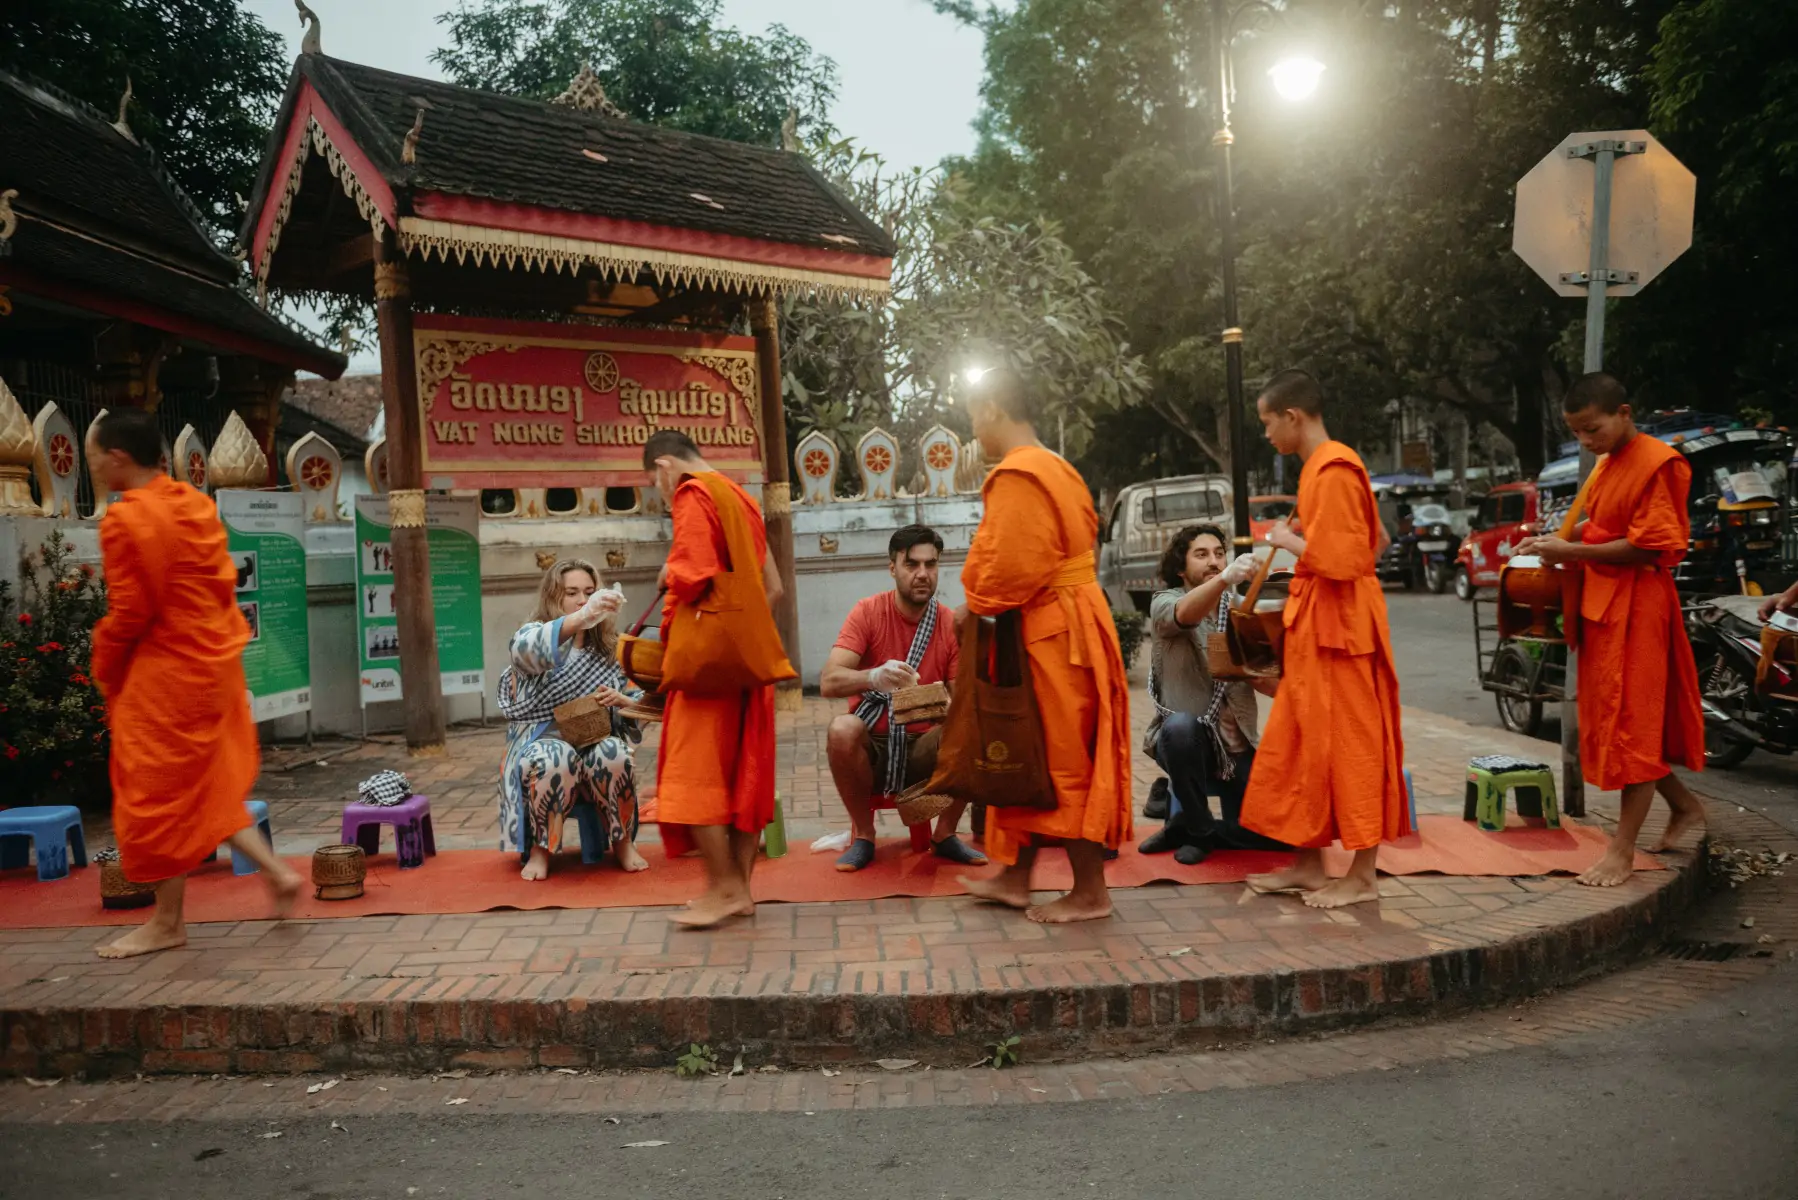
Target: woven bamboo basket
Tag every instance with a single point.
(915, 805)
(925, 702)
(583, 721)
(338, 872)
(117, 892)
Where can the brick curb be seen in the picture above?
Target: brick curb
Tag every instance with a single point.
(1563, 938)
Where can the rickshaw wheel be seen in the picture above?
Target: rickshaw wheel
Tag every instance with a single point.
(1519, 715)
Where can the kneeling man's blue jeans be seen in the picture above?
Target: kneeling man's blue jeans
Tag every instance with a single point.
(1184, 750)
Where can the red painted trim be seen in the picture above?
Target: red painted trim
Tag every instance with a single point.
(130, 310)
(310, 104)
(524, 218)
(450, 323)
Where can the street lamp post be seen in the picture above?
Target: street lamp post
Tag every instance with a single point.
(1221, 34)
(1295, 79)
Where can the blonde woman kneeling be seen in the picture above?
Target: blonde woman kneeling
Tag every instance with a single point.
(565, 653)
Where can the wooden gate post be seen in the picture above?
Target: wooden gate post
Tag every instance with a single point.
(421, 681)
(777, 491)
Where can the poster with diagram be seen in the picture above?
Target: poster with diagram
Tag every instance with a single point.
(266, 535)
(453, 531)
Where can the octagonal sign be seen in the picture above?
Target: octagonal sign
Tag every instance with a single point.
(1651, 212)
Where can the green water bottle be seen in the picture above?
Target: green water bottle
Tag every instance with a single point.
(774, 837)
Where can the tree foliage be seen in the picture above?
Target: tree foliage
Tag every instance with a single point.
(1375, 222)
(969, 289)
(206, 78)
(667, 62)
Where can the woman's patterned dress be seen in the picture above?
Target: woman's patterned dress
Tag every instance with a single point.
(544, 777)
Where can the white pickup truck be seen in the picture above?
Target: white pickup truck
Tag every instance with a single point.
(1136, 529)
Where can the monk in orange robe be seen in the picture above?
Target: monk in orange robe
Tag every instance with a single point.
(1331, 763)
(1034, 552)
(168, 657)
(1639, 705)
(715, 768)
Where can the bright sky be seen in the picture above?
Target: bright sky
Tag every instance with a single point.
(908, 80)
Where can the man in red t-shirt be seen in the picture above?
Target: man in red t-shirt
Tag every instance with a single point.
(897, 639)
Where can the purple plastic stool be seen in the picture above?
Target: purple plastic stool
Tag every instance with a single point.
(411, 821)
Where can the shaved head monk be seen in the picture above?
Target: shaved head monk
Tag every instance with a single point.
(168, 655)
(715, 768)
(1639, 707)
(1331, 764)
(1034, 552)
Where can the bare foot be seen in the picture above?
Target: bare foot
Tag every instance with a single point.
(627, 857)
(1002, 888)
(1339, 893)
(1299, 877)
(284, 888)
(1070, 908)
(538, 866)
(1678, 826)
(145, 939)
(1611, 870)
(710, 910)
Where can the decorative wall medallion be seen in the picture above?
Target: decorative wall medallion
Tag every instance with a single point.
(816, 458)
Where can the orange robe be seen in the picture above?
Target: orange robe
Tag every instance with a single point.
(1034, 551)
(1639, 706)
(716, 762)
(168, 655)
(1330, 766)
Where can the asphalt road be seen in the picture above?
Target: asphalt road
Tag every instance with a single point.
(1700, 1104)
(1432, 643)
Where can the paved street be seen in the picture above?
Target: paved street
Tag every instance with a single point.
(1696, 1104)
(1433, 643)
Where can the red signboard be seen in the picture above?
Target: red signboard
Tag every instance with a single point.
(511, 404)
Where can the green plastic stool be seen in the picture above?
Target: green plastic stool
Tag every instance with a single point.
(774, 837)
(1491, 775)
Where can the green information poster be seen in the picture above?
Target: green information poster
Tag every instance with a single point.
(453, 528)
(266, 533)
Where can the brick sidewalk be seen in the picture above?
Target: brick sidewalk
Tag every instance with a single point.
(1661, 985)
(807, 982)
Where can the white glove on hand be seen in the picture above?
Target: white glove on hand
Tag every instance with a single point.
(600, 605)
(1241, 570)
(892, 675)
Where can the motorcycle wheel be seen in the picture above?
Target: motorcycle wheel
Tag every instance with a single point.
(1435, 577)
(1519, 715)
(1464, 588)
(1724, 687)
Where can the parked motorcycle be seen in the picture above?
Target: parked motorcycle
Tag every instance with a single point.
(1725, 632)
(1424, 545)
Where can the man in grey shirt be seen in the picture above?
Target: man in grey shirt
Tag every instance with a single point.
(1204, 732)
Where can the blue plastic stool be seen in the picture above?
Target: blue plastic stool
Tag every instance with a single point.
(1411, 796)
(594, 842)
(240, 863)
(259, 816)
(53, 829)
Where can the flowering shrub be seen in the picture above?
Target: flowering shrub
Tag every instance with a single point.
(52, 720)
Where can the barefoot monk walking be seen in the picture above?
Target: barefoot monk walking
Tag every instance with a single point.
(168, 657)
(1331, 764)
(715, 768)
(1034, 552)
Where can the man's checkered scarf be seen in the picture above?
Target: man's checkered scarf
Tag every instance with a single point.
(1223, 762)
(876, 704)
